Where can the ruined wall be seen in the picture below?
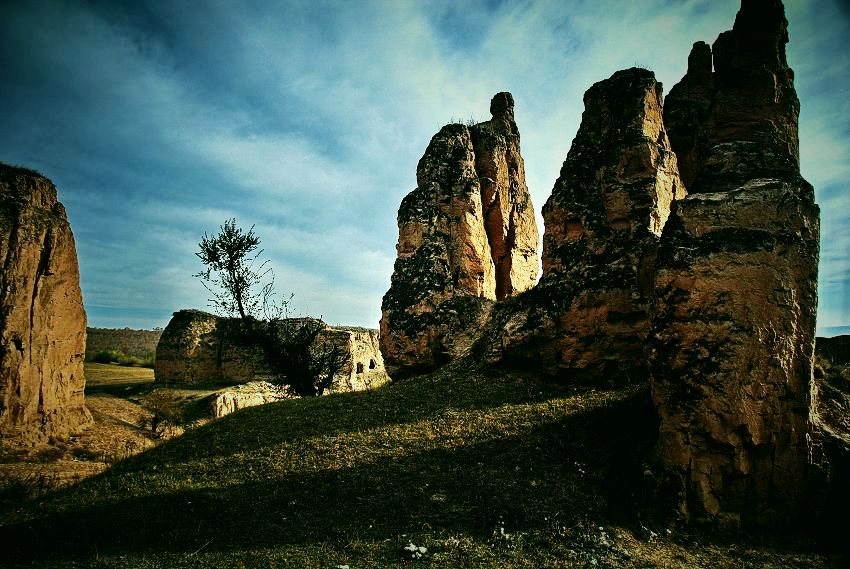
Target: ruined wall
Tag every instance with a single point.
(195, 347)
(467, 236)
(42, 320)
(732, 346)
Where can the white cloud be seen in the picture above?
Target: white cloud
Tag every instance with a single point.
(309, 123)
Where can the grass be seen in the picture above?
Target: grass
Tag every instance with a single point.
(482, 468)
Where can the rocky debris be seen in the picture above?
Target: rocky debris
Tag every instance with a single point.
(246, 395)
(467, 236)
(592, 310)
(738, 121)
(42, 319)
(736, 285)
(196, 347)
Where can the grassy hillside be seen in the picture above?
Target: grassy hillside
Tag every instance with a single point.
(481, 468)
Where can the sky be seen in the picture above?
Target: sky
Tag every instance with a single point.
(157, 121)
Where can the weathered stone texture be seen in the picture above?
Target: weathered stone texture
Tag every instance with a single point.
(467, 235)
(732, 349)
(592, 310)
(736, 284)
(196, 347)
(42, 319)
(251, 394)
(738, 122)
(508, 214)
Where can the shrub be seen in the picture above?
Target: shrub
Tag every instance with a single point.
(117, 357)
(166, 410)
(107, 356)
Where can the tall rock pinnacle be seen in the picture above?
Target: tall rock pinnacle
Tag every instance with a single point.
(736, 283)
(42, 320)
(738, 122)
(467, 235)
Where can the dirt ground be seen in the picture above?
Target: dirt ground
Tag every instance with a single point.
(121, 428)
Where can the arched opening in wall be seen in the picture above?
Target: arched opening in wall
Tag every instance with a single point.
(372, 364)
(359, 368)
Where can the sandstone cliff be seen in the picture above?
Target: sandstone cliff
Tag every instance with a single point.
(42, 320)
(736, 284)
(195, 347)
(467, 236)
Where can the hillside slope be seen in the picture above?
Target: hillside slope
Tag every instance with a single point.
(481, 468)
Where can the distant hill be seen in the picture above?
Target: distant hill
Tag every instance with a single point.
(139, 343)
(836, 350)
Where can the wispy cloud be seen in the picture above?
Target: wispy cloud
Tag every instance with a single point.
(159, 121)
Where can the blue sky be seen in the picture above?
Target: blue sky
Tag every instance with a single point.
(159, 120)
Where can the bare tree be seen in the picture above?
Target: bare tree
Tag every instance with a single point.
(234, 275)
(234, 271)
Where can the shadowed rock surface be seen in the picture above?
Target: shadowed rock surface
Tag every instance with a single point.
(736, 284)
(194, 349)
(467, 237)
(42, 320)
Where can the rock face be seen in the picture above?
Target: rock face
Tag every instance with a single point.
(195, 348)
(738, 121)
(364, 364)
(42, 320)
(736, 284)
(592, 311)
(467, 236)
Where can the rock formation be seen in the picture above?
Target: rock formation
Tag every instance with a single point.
(736, 283)
(592, 311)
(738, 121)
(467, 235)
(42, 320)
(195, 347)
(711, 293)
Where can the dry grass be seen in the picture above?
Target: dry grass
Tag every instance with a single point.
(481, 468)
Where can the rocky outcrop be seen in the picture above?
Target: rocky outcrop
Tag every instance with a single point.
(508, 214)
(737, 121)
(467, 236)
(592, 310)
(198, 347)
(736, 284)
(42, 320)
(363, 367)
